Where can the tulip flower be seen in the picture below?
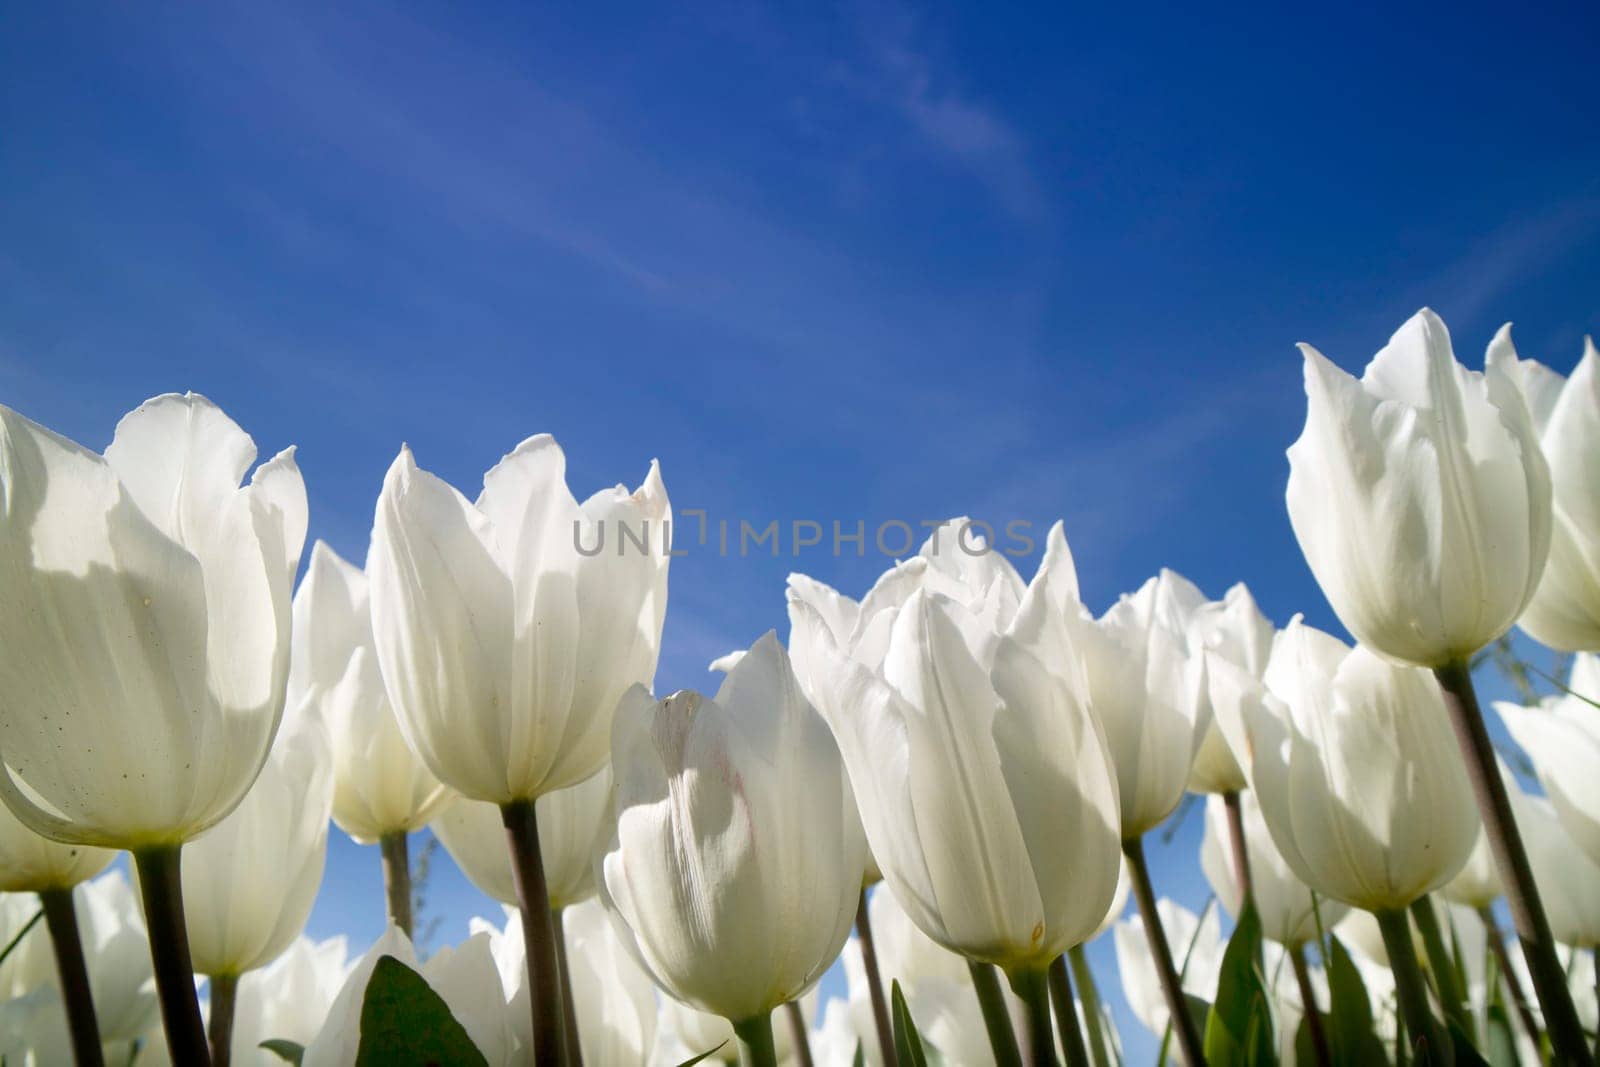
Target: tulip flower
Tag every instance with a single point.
(507, 630)
(465, 978)
(250, 882)
(1284, 904)
(381, 790)
(288, 999)
(146, 628)
(615, 1000)
(1234, 629)
(1562, 738)
(735, 860)
(1565, 610)
(1566, 875)
(1198, 939)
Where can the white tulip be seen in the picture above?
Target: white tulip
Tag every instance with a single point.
(249, 883)
(1146, 686)
(117, 952)
(686, 1032)
(1477, 884)
(982, 778)
(1420, 497)
(1565, 610)
(1562, 737)
(1566, 876)
(32, 864)
(1197, 948)
(1355, 769)
(288, 999)
(504, 644)
(465, 978)
(614, 999)
(571, 821)
(735, 860)
(380, 786)
(1234, 629)
(1287, 910)
(145, 622)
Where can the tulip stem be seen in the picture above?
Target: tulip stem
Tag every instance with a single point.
(1441, 962)
(1091, 1004)
(1161, 954)
(755, 1042)
(572, 1053)
(397, 879)
(869, 961)
(1241, 856)
(1031, 985)
(1411, 990)
(538, 935)
(1502, 959)
(996, 1019)
(62, 920)
(1511, 861)
(1312, 1010)
(797, 1029)
(161, 887)
(1067, 1014)
(224, 994)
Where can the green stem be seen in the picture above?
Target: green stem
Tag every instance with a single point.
(880, 1003)
(161, 887)
(1308, 1001)
(755, 1042)
(224, 994)
(996, 1019)
(1161, 954)
(538, 935)
(1090, 992)
(1442, 964)
(1411, 991)
(397, 879)
(572, 1052)
(1067, 1014)
(62, 919)
(1241, 854)
(797, 1030)
(1511, 861)
(1031, 986)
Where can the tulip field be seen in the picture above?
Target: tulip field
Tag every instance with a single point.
(942, 789)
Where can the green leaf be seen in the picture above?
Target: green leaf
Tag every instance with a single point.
(907, 1042)
(404, 1023)
(287, 1051)
(1466, 1054)
(707, 1054)
(1239, 1026)
(1352, 1038)
(860, 1059)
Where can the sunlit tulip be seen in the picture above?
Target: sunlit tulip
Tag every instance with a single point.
(615, 999)
(1355, 770)
(571, 821)
(1197, 942)
(1420, 497)
(31, 864)
(1286, 908)
(1234, 629)
(1565, 610)
(1019, 862)
(735, 862)
(288, 999)
(145, 622)
(1562, 737)
(505, 637)
(1145, 684)
(248, 884)
(380, 786)
(1566, 876)
(464, 977)
(1477, 884)
(685, 1032)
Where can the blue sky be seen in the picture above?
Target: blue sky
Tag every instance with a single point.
(870, 262)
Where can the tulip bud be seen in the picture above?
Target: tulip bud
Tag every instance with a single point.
(1234, 629)
(615, 1000)
(288, 999)
(1197, 939)
(1477, 884)
(380, 786)
(1355, 770)
(571, 822)
(1420, 497)
(983, 780)
(1566, 876)
(734, 861)
(1562, 737)
(1286, 907)
(32, 864)
(508, 629)
(1565, 610)
(145, 622)
(248, 884)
